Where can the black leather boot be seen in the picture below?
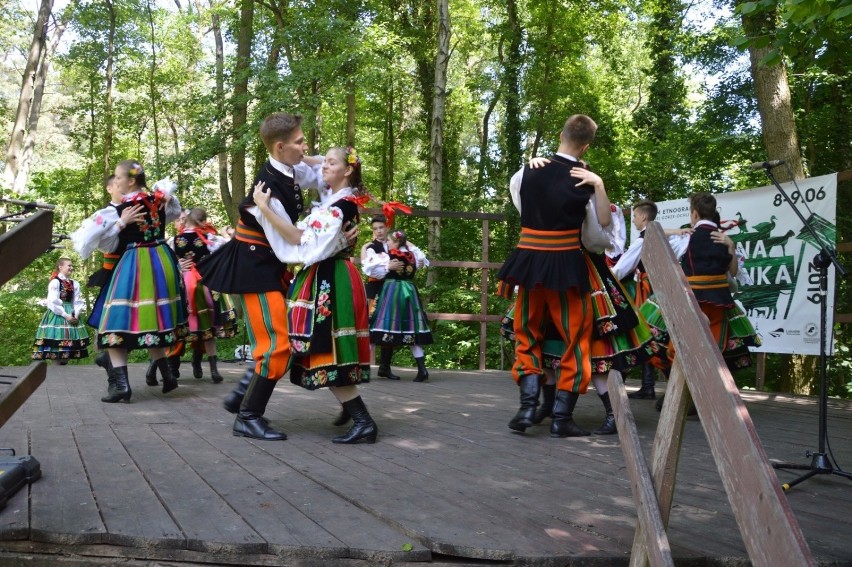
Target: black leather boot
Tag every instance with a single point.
(343, 418)
(102, 359)
(169, 381)
(363, 428)
(385, 364)
(234, 400)
(608, 427)
(214, 371)
(422, 373)
(646, 392)
(250, 421)
(151, 374)
(563, 410)
(120, 388)
(529, 388)
(545, 409)
(174, 365)
(197, 371)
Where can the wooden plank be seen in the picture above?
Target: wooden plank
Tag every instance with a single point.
(763, 514)
(19, 389)
(473, 215)
(190, 501)
(463, 317)
(650, 524)
(116, 480)
(24, 243)
(665, 455)
(64, 510)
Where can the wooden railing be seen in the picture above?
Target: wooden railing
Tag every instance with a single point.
(770, 532)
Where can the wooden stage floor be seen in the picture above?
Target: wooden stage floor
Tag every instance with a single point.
(161, 481)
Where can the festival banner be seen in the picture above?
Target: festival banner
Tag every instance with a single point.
(783, 303)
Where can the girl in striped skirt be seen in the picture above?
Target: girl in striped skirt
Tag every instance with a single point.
(61, 335)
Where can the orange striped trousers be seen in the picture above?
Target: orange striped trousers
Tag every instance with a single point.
(571, 314)
(266, 320)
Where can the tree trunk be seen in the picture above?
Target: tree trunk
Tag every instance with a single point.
(782, 142)
(513, 153)
(25, 99)
(350, 113)
(436, 162)
(240, 105)
(38, 94)
(153, 90)
(108, 121)
(222, 154)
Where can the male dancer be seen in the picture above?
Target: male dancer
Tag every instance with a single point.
(376, 263)
(248, 267)
(550, 270)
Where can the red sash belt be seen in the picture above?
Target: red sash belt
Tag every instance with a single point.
(708, 282)
(549, 240)
(110, 260)
(245, 234)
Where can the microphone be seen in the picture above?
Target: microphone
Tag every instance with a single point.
(767, 164)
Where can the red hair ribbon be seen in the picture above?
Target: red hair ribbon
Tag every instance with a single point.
(389, 209)
(359, 200)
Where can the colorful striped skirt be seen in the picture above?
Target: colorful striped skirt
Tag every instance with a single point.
(201, 308)
(144, 306)
(57, 339)
(226, 315)
(329, 332)
(399, 318)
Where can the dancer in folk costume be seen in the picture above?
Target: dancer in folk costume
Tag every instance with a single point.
(248, 267)
(549, 267)
(327, 305)
(143, 306)
(400, 317)
(707, 257)
(376, 263)
(61, 336)
(197, 240)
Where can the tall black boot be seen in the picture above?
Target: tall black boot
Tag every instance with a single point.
(546, 408)
(250, 421)
(608, 427)
(169, 381)
(214, 371)
(646, 392)
(120, 386)
(363, 428)
(234, 400)
(174, 365)
(151, 374)
(529, 388)
(342, 418)
(422, 373)
(102, 359)
(563, 411)
(197, 371)
(385, 364)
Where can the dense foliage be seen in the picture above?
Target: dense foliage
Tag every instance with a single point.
(666, 82)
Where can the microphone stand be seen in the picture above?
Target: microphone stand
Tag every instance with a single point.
(820, 462)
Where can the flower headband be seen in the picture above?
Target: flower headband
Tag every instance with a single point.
(136, 170)
(352, 157)
(398, 235)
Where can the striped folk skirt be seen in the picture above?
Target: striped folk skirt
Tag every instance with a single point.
(144, 305)
(399, 318)
(201, 307)
(329, 332)
(57, 339)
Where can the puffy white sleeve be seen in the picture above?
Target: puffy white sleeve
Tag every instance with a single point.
(79, 304)
(515, 188)
(742, 276)
(322, 237)
(305, 175)
(679, 243)
(629, 261)
(420, 258)
(98, 232)
(216, 242)
(54, 303)
(169, 187)
(375, 265)
(619, 232)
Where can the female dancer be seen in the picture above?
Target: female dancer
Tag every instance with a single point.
(327, 305)
(60, 335)
(196, 240)
(143, 305)
(400, 318)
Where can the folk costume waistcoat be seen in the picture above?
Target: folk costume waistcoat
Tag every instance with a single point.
(247, 263)
(705, 264)
(374, 285)
(548, 254)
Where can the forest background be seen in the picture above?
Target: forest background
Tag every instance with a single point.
(444, 99)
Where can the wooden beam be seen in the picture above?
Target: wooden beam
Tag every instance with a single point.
(19, 389)
(650, 527)
(24, 243)
(770, 531)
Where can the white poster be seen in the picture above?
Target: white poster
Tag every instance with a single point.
(784, 302)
